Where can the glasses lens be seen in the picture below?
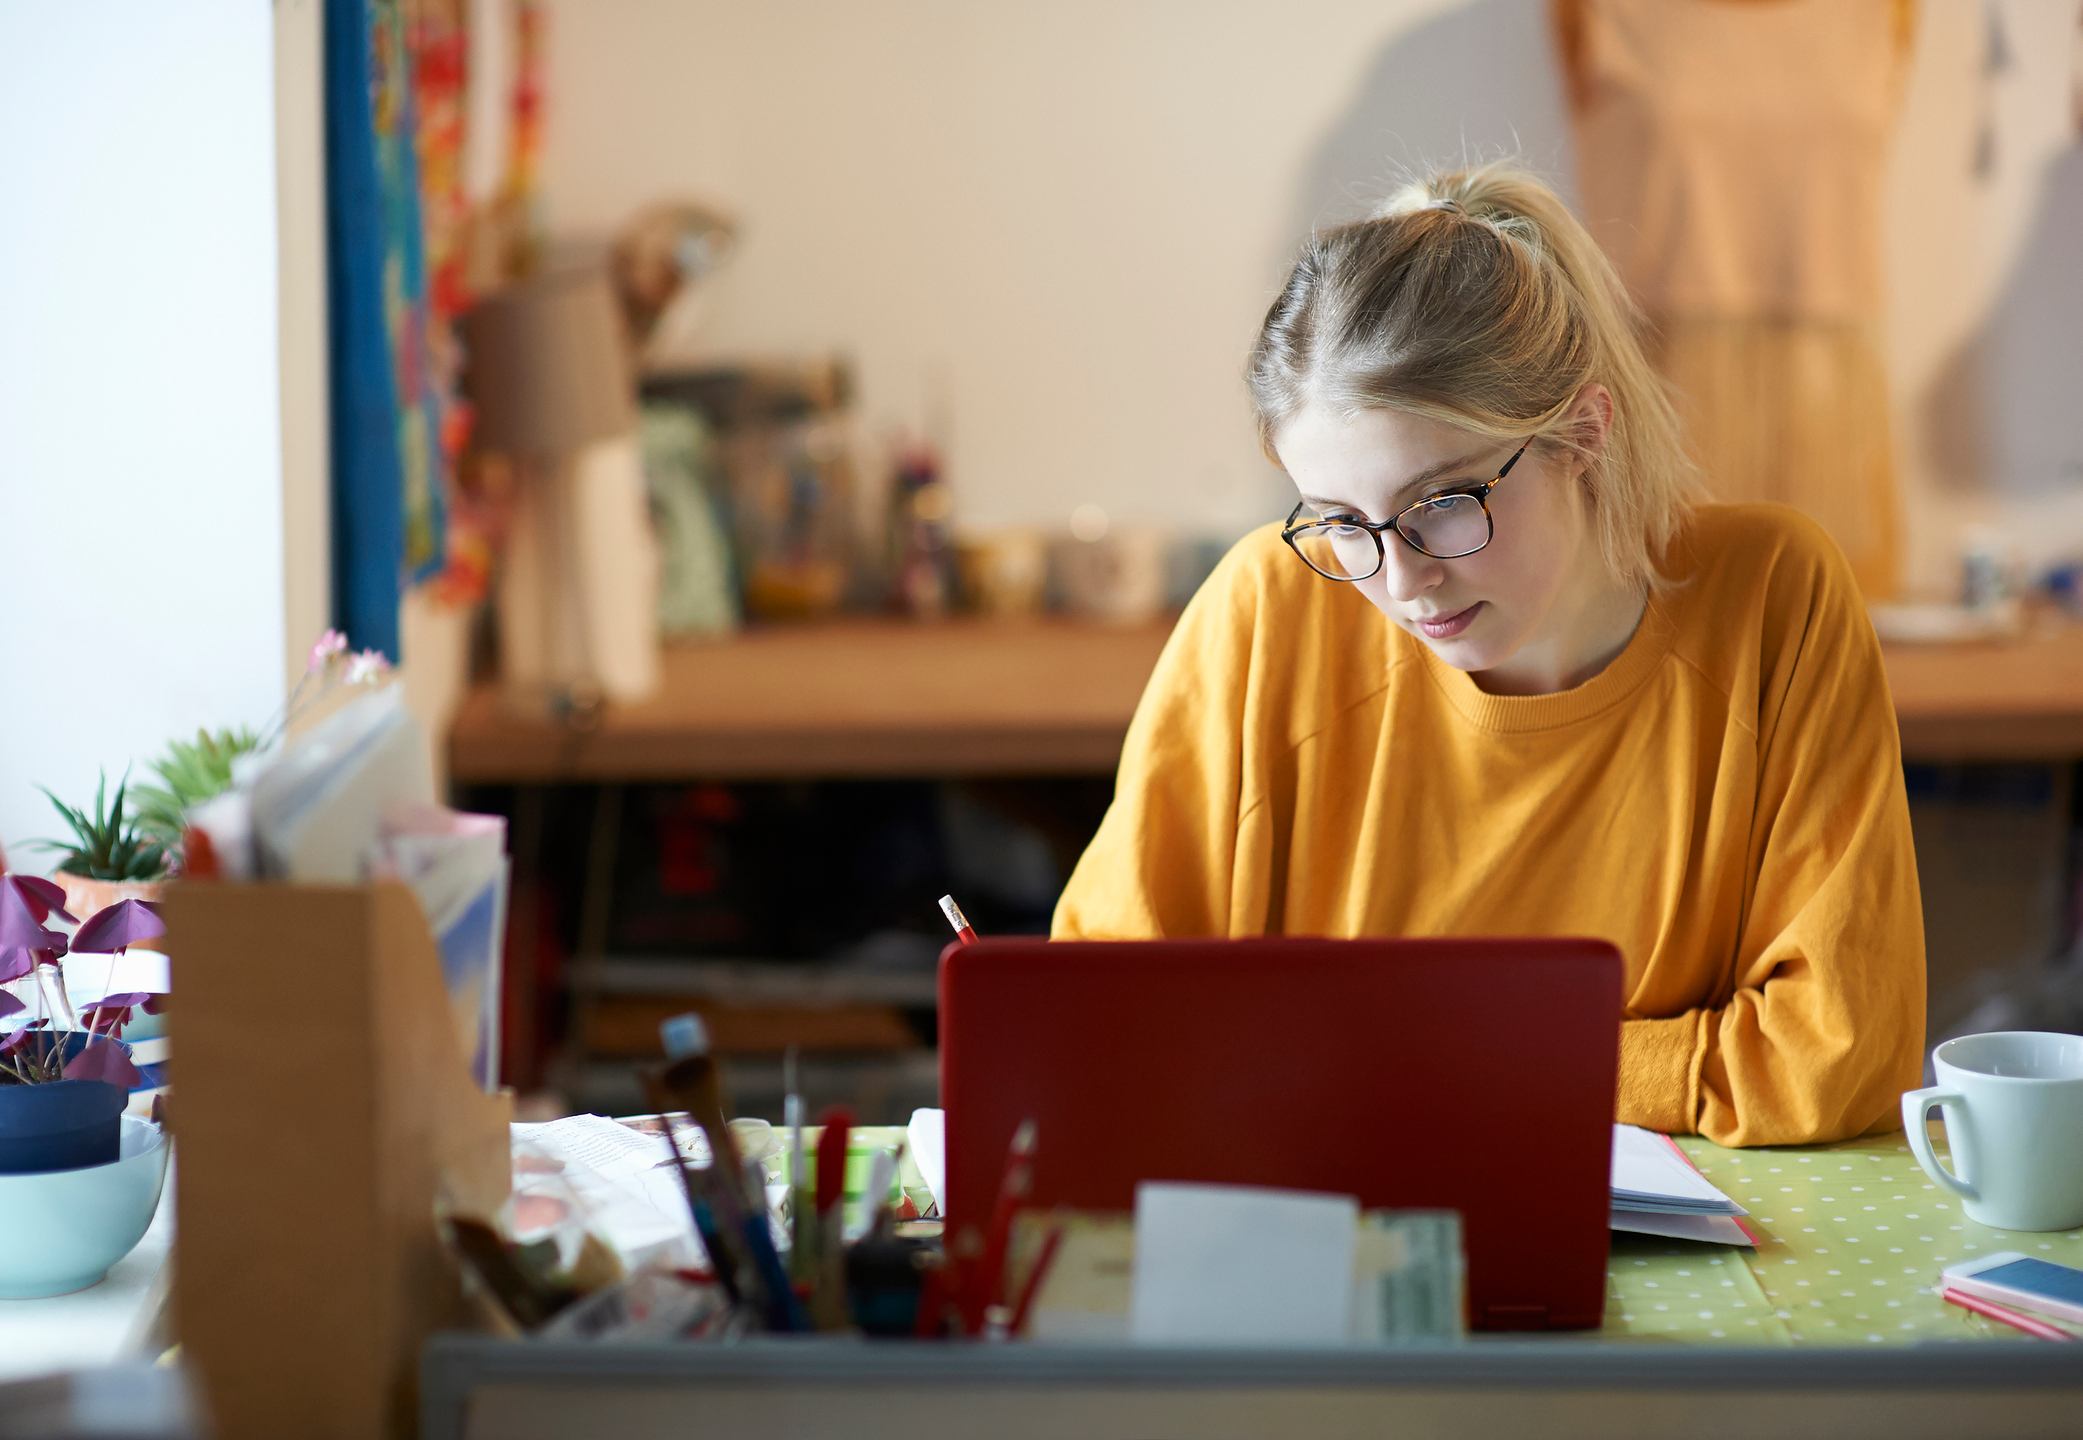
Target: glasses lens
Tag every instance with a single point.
(1343, 552)
(1449, 526)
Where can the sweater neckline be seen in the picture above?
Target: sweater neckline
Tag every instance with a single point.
(1623, 675)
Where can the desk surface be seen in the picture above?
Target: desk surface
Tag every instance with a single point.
(1852, 1239)
(867, 697)
(1828, 1328)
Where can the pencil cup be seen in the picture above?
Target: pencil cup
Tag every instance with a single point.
(2013, 1108)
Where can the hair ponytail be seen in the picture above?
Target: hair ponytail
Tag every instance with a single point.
(1475, 298)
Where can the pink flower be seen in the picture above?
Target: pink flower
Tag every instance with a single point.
(366, 667)
(329, 644)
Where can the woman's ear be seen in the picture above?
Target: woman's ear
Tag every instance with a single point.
(1591, 418)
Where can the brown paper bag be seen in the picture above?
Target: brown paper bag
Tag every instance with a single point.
(320, 1107)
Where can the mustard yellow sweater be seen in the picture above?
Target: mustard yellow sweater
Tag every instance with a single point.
(1724, 802)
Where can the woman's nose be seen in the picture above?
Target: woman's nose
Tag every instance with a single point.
(1407, 573)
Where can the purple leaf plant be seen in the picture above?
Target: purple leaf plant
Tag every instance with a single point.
(34, 1052)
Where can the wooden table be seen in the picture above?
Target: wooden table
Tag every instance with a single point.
(865, 697)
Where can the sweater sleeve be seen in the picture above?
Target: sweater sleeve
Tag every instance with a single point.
(1164, 858)
(1824, 1025)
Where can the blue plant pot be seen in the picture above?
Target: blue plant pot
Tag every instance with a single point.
(64, 1125)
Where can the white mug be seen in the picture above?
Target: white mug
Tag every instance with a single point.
(2013, 1107)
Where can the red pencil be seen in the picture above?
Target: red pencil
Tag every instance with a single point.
(828, 1308)
(2002, 1314)
(1035, 1276)
(955, 917)
(831, 1160)
(1012, 1193)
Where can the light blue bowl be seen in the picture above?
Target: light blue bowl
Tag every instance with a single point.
(65, 1228)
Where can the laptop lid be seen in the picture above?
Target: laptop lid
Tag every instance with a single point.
(1466, 1074)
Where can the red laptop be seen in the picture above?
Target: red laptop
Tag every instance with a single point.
(1469, 1075)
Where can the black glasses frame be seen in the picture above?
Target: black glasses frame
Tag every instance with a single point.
(1289, 531)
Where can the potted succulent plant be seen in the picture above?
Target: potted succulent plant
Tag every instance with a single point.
(108, 857)
(190, 772)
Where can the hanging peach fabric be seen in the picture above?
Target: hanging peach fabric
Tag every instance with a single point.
(1732, 155)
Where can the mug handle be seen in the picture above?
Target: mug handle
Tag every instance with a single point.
(1916, 1105)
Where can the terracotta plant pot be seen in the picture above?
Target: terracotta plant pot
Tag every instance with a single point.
(84, 896)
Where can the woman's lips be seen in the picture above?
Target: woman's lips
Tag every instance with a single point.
(1448, 626)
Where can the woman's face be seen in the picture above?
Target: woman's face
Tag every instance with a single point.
(1521, 610)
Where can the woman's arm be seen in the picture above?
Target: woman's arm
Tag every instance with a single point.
(1824, 1027)
(1163, 861)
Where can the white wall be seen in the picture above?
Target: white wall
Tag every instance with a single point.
(141, 500)
(1061, 222)
(1055, 224)
(1987, 288)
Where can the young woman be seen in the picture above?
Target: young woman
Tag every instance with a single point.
(1496, 674)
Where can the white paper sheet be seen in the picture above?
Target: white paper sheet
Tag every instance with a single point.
(631, 1199)
(1234, 1264)
(598, 1143)
(1709, 1229)
(1648, 1175)
(926, 1137)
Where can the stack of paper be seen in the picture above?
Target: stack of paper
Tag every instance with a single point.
(1656, 1191)
(616, 1181)
(349, 800)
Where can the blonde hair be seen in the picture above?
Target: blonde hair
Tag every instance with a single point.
(1475, 298)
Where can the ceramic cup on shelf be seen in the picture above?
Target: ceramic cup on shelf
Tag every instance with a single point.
(1109, 573)
(2013, 1108)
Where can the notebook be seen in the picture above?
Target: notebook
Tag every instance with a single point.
(1652, 1174)
(1658, 1191)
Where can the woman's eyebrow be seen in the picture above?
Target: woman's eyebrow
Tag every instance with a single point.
(1430, 472)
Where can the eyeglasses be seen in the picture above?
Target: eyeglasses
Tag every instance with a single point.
(1447, 526)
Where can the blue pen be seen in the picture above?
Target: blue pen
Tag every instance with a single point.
(712, 1244)
(784, 1310)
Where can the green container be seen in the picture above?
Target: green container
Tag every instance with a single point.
(860, 1161)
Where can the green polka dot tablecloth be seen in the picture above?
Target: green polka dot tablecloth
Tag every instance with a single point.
(1851, 1241)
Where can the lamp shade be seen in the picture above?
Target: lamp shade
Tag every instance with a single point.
(549, 371)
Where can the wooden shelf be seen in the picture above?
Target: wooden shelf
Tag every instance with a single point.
(863, 697)
(2018, 699)
(845, 699)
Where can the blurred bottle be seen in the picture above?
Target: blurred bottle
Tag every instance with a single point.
(1988, 569)
(921, 555)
